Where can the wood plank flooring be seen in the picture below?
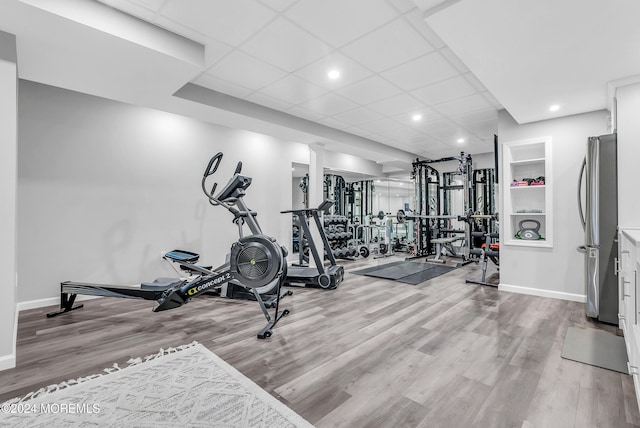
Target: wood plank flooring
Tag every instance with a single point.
(373, 353)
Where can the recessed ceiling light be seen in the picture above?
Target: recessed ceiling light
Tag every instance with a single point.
(554, 107)
(333, 74)
(416, 117)
(460, 140)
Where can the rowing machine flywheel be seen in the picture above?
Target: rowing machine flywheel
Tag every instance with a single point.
(256, 260)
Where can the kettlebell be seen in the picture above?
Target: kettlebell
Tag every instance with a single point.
(530, 233)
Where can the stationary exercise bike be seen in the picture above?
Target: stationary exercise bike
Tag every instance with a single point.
(256, 262)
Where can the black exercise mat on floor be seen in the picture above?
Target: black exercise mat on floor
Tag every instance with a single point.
(426, 275)
(597, 348)
(375, 268)
(406, 271)
(397, 271)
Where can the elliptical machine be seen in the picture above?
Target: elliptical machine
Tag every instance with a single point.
(256, 262)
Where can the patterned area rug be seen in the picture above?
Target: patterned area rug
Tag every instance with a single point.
(188, 386)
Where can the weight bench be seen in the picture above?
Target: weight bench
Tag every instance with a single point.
(447, 244)
(488, 250)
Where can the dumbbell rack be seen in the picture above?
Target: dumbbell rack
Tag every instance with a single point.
(335, 227)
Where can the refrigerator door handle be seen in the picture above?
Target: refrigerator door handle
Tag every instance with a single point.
(584, 165)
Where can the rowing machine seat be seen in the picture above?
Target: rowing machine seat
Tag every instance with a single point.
(161, 284)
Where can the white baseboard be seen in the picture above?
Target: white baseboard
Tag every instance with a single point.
(7, 362)
(51, 301)
(543, 293)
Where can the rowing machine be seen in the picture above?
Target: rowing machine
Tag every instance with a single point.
(256, 262)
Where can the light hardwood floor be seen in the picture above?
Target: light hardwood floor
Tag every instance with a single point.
(373, 353)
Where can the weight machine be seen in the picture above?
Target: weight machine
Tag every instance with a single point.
(335, 189)
(359, 201)
(432, 227)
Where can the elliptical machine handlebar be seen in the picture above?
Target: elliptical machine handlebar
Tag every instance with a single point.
(212, 167)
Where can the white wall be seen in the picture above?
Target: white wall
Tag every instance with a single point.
(104, 187)
(558, 271)
(628, 155)
(343, 162)
(8, 147)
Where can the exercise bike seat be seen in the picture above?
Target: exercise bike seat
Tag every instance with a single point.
(161, 284)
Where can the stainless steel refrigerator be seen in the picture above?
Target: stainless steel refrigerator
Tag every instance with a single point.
(600, 222)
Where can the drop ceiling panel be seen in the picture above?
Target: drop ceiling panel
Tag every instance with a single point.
(396, 105)
(484, 130)
(454, 60)
(278, 5)
(241, 68)
(356, 130)
(358, 116)
(334, 123)
(428, 4)
(329, 104)
(370, 90)
(420, 72)
(403, 134)
(403, 6)
(393, 44)
(293, 90)
(350, 71)
(492, 100)
(267, 101)
(449, 134)
(473, 80)
(385, 124)
(214, 51)
(219, 19)
(485, 115)
(337, 21)
(426, 126)
(304, 113)
(463, 105)
(286, 45)
(446, 90)
(416, 19)
(426, 113)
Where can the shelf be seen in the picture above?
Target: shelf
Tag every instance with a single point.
(539, 186)
(527, 158)
(542, 243)
(528, 161)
